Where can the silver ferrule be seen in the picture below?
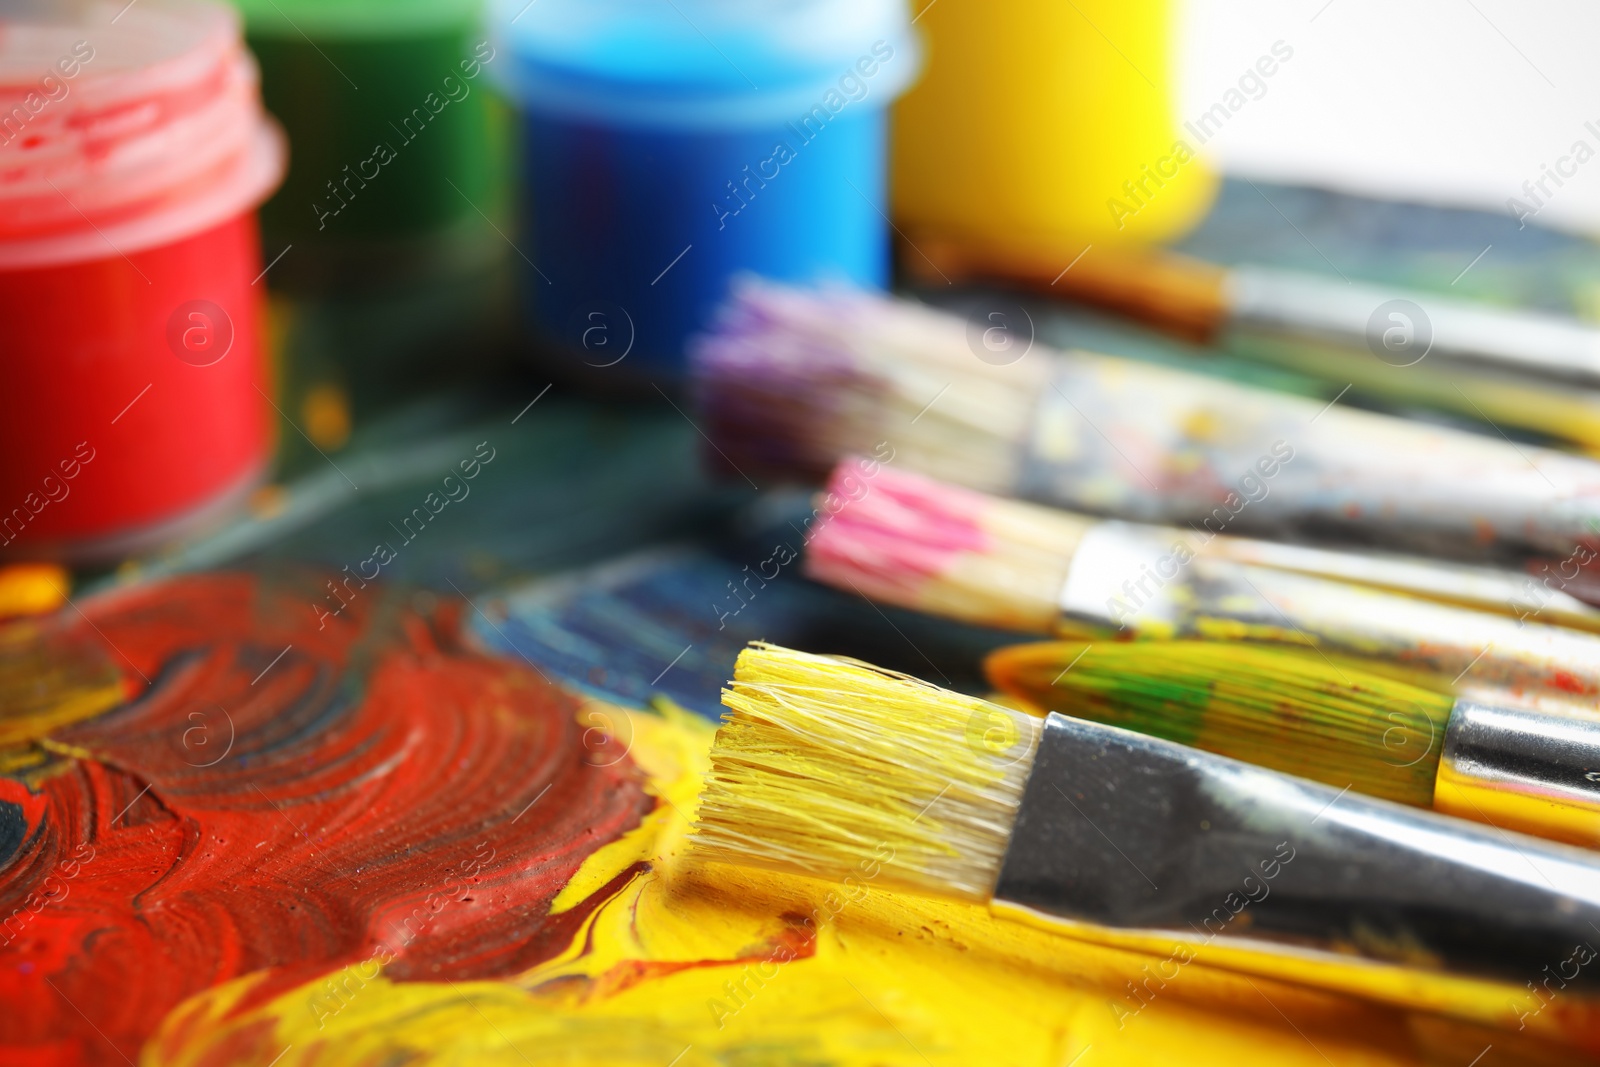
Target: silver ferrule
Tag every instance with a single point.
(1522, 770)
(1120, 574)
(1124, 573)
(1130, 832)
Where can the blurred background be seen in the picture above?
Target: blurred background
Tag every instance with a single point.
(1439, 102)
(269, 264)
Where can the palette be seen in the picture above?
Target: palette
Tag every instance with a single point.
(373, 843)
(444, 823)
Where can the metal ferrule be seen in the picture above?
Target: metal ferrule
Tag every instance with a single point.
(1119, 566)
(1522, 770)
(1122, 831)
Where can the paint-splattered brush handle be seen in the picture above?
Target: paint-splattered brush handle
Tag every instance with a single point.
(1152, 444)
(1161, 583)
(1125, 831)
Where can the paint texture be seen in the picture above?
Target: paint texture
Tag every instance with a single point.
(695, 966)
(322, 894)
(355, 798)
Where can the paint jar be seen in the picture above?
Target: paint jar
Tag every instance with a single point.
(383, 236)
(133, 392)
(384, 104)
(669, 145)
(1040, 127)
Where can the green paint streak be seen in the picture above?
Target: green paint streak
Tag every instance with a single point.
(1291, 711)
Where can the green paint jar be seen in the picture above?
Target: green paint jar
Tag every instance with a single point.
(386, 106)
(385, 239)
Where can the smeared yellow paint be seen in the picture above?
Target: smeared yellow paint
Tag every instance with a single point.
(325, 410)
(46, 683)
(672, 746)
(695, 966)
(32, 589)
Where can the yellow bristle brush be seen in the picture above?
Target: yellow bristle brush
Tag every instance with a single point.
(835, 769)
(1302, 714)
(1489, 635)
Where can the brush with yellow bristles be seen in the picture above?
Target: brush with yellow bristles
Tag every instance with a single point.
(835, 769)
(904, 539)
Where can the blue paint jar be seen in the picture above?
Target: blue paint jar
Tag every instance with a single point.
(670, 145)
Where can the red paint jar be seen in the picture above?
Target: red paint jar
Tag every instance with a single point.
(133, 385)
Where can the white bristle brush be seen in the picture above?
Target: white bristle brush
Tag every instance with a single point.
(792, 380)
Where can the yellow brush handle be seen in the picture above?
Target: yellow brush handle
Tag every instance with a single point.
(1453, 996)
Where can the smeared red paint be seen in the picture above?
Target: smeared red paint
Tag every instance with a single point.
(387, 794)
(797, 941)
(1568, 682)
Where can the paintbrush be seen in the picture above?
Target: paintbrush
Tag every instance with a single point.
(1531, 370)
(904, 539)
(834, 769)
(792, 380)
(1302, 714)
(1202, 301)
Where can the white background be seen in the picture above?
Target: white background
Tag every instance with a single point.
(1442, 101)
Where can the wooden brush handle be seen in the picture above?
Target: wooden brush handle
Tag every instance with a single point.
(1178, 295)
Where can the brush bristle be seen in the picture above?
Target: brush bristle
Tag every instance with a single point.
(1291, 711)
(791, 380)
(908, 540)
(839, 770)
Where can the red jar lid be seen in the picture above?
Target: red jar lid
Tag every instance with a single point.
(124, 131)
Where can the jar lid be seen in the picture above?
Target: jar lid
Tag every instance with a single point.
(704, 62)
(123, 127)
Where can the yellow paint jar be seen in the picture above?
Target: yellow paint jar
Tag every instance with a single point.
(1030, 118)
